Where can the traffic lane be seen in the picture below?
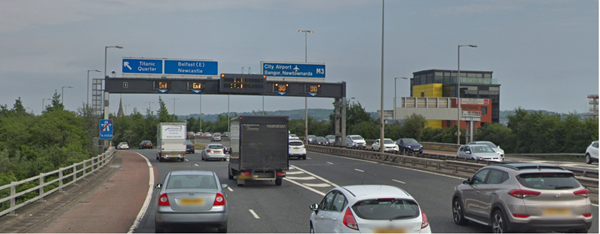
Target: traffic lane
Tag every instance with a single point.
(433, 192)
(279, 208)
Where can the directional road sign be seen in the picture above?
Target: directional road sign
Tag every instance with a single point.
(106, 129)
(147, 66)
(296, 70)
(191, 67)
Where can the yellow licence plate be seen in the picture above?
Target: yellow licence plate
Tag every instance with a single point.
(191, 201)
(173, 155)
(556, 211)
(295, 148)
(389, 230)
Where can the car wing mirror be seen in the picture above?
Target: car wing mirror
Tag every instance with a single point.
(467, 181)
(224, 186)
(158, 186)
(314, 207)
(468, 152)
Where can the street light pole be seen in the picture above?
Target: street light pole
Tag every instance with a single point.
(305, 97)
(458, 93)
(105, 98)
(149, 108)
(382, 126)
(200, 117)
(88, 86)
(63, 92)
(174, 105)
(395, 97)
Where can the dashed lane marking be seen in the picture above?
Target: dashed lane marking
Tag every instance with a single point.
(195, 164)
(329, 162)
(402, 182)
(358, 170)
(230, 189)
(254, 214)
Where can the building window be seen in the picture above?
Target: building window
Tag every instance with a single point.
(484, 110)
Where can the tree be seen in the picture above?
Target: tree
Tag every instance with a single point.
(413, 126)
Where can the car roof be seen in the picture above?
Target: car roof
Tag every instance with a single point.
(529, 167)
(214, 144)
(296, 141)
(361, 192)
(189, 172)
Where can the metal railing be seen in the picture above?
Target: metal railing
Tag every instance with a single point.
(57, 181)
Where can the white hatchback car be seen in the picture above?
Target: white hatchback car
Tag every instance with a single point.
(214, 151)
(591, 154)
(125, 146)
(297, 149)
(390, 146)
(368, 209)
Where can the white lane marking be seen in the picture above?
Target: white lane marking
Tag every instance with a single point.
(187, 160)
(345, 157)
(594, 204)
(304, 186)
(318, 177)
(301, 178)
(358, 170)
(321, 185)
(146, 204)
(402, 182)
(294, 172)
(195, 164)
(254, 214)
(308, 158)
(230, 189)
(330, 162)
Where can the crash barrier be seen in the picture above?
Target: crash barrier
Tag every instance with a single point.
(50, 182)
(444, 164)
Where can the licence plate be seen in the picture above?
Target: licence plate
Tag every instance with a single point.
(173, 155)
(191, 201)
(556, 211)
(217, 151)
(295, 148)
(389, 230)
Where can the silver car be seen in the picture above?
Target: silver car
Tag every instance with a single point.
(521, 197)
(355, 141)
(491, 145)
(193, 198)
(368, 209)
(479, 152)
(591, 153)
(214, 151)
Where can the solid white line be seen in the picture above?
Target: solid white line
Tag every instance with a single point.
(318, 177)
(142, 212)
(321, 185)
(294, 172)
(230, 189)
(254, 214)
(358, 170)
(330, 162)
(300, 178)
(195, 164)
(306, 187)
(402, 182)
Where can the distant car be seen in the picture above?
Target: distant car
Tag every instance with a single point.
(523, 197)
(206, 134)
(409, 145)
(491, 145)
(355, 141)
(190, 147)
(226, 134)
(191, 135)
(297, 149)
(591, 154)
(146, 144)
(198, 134)
(479, 152)
(311, 139)
(193, 198)
(368, 209)
(214, 151)
(123, 146)
(293, 137)
(389, 145)
(321, 141)
(331, 139)
(216, 137)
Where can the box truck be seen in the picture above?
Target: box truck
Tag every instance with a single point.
(170, 141)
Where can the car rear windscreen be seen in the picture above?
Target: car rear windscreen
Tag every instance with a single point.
(215, 147)
(295, 143)
(548, 181)
(387, 209)
(191, 182)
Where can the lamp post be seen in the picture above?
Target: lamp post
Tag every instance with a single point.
(174, 105)
(395, 97)
(458, 93)
(43, 99)
(88, 86)
(149, 108)
(382, 126)
(105, 98)
(305, 97)
(62, 97)
(200, 117)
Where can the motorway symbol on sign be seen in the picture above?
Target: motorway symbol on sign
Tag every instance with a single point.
(163, 90)
(281, 93)
(312, 94)
(148, 66)
(106, 129)
(196, 90)
(191, 67)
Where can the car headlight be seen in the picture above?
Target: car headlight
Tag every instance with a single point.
(410, 147)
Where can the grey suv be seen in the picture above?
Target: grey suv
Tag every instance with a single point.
(523, 197)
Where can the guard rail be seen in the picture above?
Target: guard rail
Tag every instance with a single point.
(58, 181)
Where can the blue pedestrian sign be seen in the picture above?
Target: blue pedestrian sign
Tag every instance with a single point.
(296, 70)
(106, 129)
(191, 67)
(146, 66)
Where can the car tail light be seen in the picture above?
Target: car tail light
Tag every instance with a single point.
(245, 173)
(424, 221)
(521, 216)
(280, 174)
(519, 193)
(208, 150)
(349, 220)
(163, 200)
(587, 215)
(219, 200)
(583, 193)
(193, 146)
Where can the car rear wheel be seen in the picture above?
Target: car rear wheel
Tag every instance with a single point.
(458, 212)
(303, 157)
(499, 222)
(588, 159)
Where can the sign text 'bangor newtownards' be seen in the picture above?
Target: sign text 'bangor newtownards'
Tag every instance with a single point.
(293, 70)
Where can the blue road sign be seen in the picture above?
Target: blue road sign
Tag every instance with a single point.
(312, 94)
(301, 70)
(149, 66)
(281, 93)
(162, 90)
(191, 67)
(106, 129)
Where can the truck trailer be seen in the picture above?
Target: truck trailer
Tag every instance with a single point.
(170, 142)
(259, 149)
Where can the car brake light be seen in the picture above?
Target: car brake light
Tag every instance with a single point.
(280, 174)
(587, 215)
(518, 193)
(520, 216)
(163, 200)
(424, 221)
(583, 193)
(349, 220)
(208, 150)
(245, 173)
(219, 200)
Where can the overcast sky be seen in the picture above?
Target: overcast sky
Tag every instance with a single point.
(544, 53)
